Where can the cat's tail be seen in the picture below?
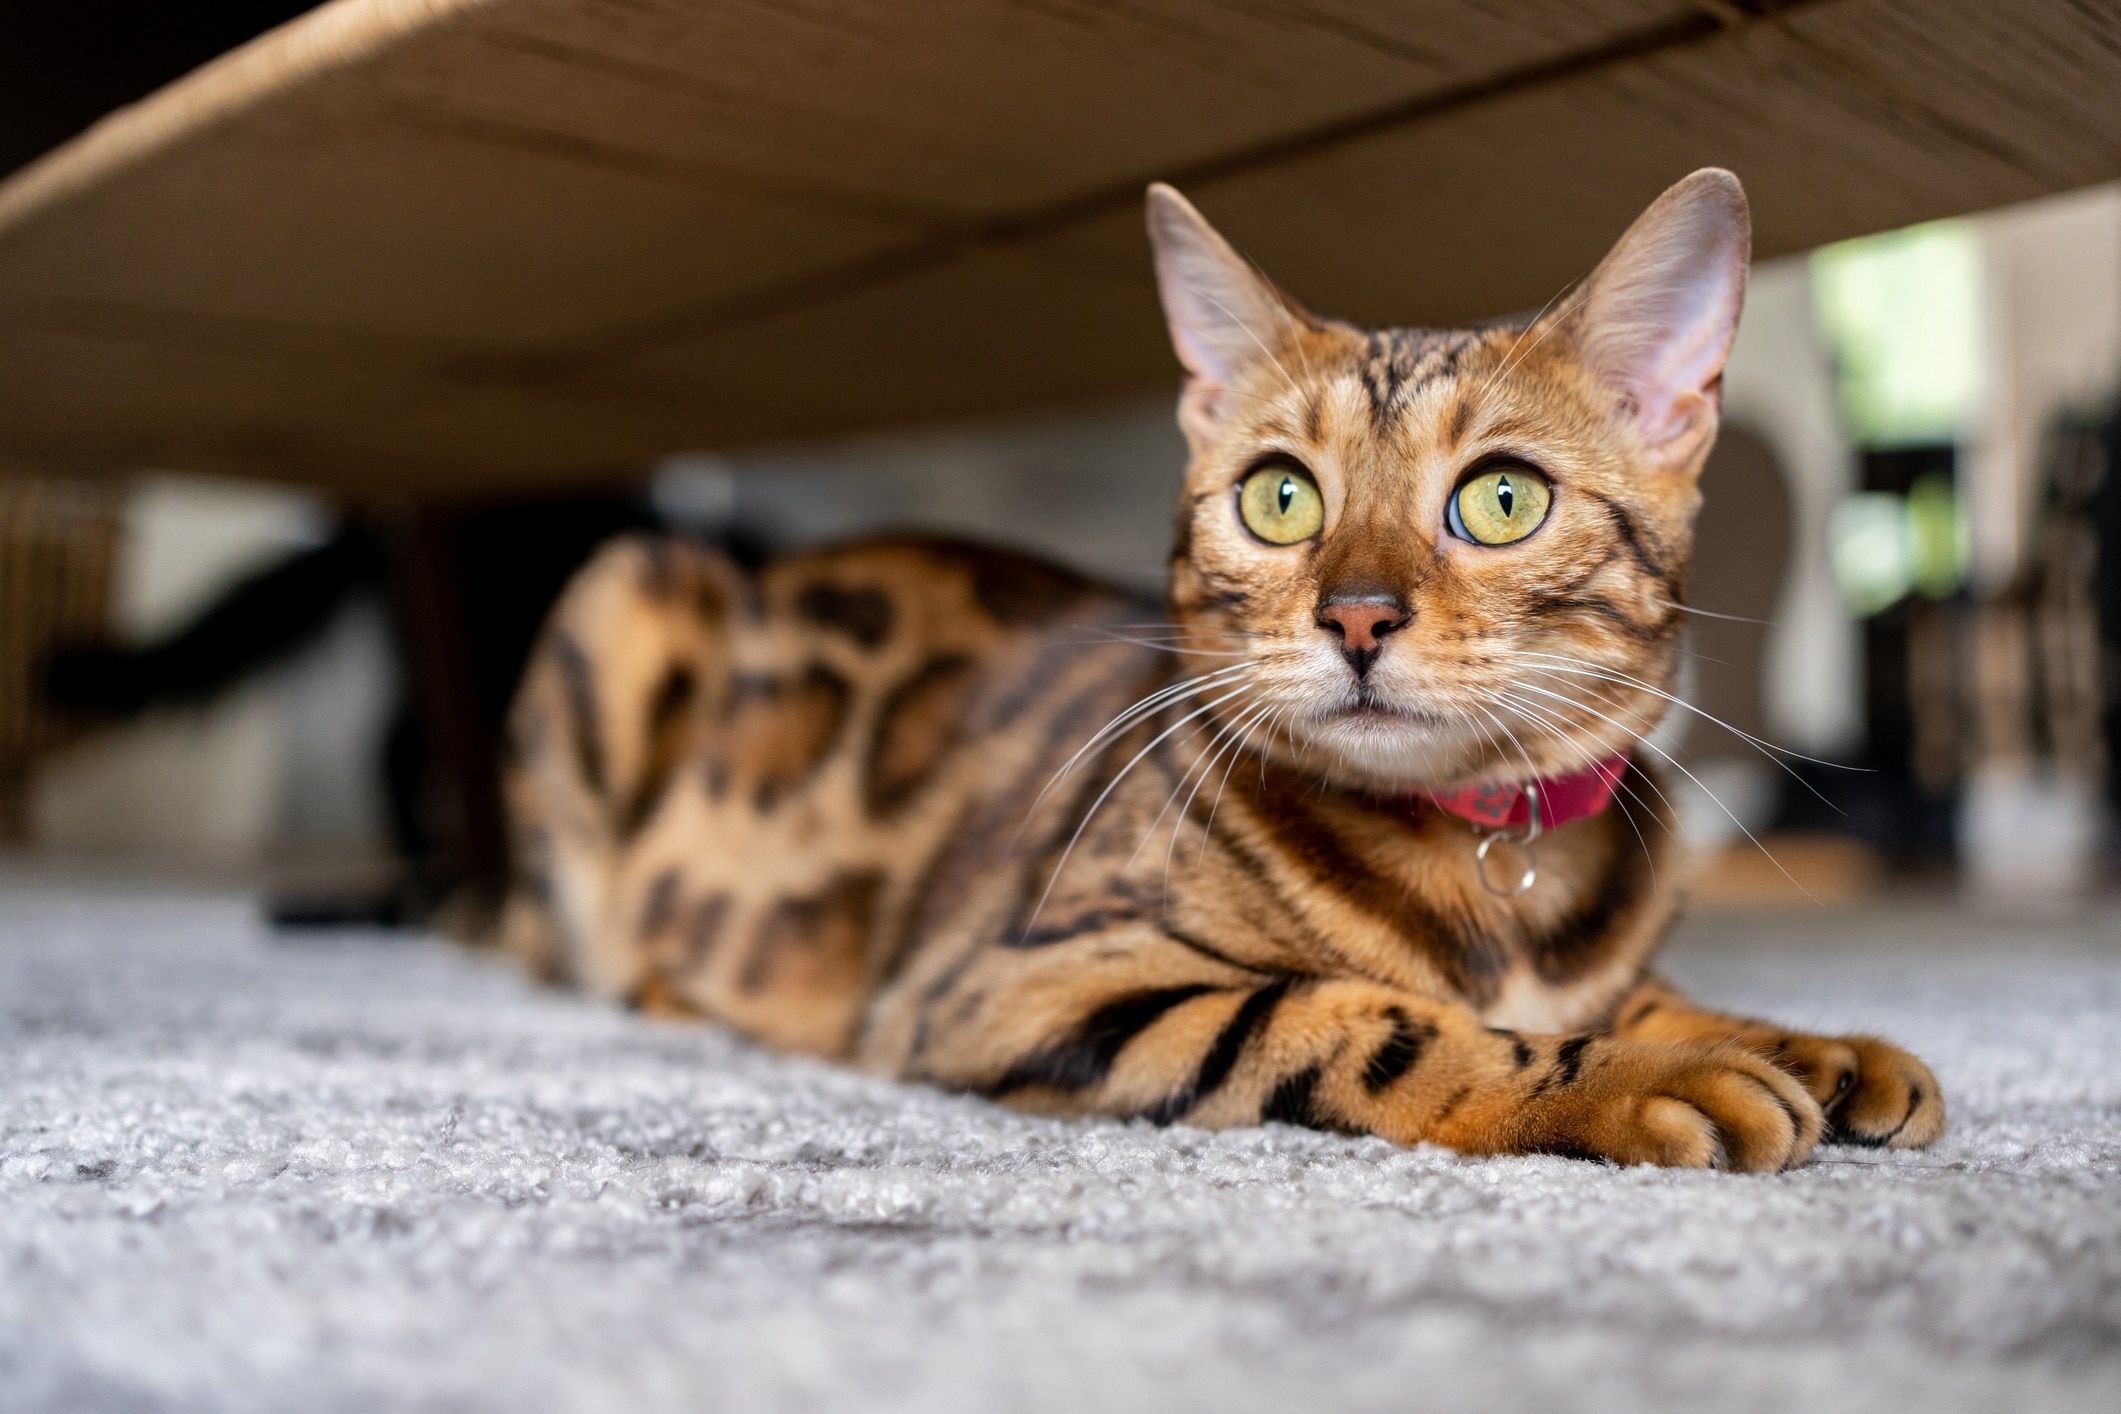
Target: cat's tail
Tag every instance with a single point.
(611, 704)
(258, 621)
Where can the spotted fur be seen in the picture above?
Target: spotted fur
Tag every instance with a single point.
(962, 818)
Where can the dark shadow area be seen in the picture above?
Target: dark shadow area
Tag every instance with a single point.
(64, 65)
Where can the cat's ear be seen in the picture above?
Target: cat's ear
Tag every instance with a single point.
(1656, 318)
(1226, 319)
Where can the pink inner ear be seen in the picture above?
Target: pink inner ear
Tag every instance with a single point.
(1224, 318)
(1663, 309)
(1220, 321)
(1204, 358)
(1691, 357)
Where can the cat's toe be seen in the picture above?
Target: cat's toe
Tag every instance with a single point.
(1685, 1108)
(1827, 1066)
(1893, 1102)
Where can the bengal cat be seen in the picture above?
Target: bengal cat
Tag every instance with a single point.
(959, 817)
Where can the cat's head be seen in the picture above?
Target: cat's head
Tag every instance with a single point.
(1423, 558)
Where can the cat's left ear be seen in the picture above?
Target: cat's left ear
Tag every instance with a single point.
(1658, 315)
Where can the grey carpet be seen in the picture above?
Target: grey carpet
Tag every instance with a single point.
(240, 1171)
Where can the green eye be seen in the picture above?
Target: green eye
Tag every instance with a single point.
(1500, 506)
(1281, 505)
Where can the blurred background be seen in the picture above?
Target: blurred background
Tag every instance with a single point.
(1911, 544)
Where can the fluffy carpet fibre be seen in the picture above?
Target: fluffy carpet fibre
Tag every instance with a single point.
(244, 1171)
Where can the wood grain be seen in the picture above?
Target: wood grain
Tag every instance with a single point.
(428, 246)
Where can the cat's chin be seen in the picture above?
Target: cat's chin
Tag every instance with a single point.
(1374, 747)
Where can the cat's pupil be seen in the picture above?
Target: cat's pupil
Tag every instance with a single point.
(1504, 496)
(1288, 494)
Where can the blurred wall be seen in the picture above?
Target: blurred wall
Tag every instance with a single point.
(2052, 288)
(1779, 385)
(1096, 490)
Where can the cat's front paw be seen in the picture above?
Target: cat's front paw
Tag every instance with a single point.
(1681, 1107)
(1873, 1092)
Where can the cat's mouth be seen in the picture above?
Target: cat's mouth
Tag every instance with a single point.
(1368, 709)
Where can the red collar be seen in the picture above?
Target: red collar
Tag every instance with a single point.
(1503, 805)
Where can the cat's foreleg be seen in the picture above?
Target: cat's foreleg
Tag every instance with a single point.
(1871, 1091)
(1130, 1023)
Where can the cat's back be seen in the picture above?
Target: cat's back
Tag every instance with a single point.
(761, 779)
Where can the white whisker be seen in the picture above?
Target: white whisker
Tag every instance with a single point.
(1146, 706)
(1582, 292)
(1669, 759)
(1567, 731)
(1772, 752)
(1523, 755)
(1272, 357)
(1619, 782)
(1112, 785)
(1150, 833)
(1207, 830)
(1711, 614)
(1222, 739)
(1289, 318)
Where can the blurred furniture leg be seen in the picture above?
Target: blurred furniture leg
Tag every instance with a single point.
(461, 780)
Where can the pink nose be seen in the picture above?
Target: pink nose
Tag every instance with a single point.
(1361, 624)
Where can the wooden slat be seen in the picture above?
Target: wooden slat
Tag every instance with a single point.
(58, 544)
(422, 247)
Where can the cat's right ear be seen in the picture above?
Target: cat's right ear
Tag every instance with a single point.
(1226, 319)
